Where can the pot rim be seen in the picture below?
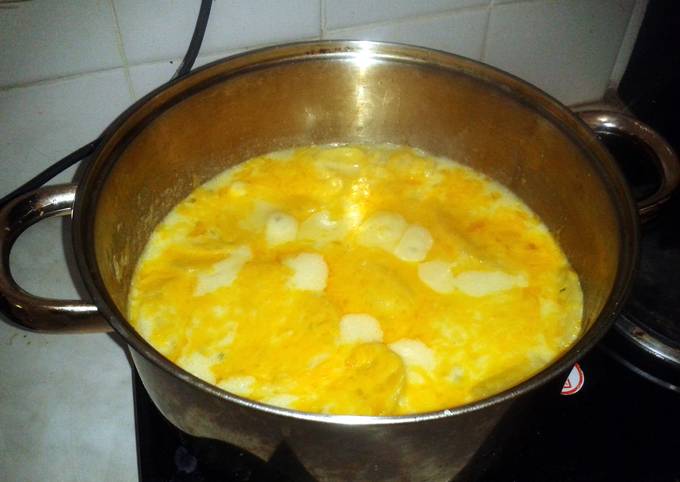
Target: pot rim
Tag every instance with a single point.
(92, 181)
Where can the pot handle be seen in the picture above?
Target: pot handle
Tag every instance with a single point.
(33, 312)
(606, 122)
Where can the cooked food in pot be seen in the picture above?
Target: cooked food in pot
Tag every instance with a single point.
(364, 280)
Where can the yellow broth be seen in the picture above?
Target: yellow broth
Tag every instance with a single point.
(365, 280)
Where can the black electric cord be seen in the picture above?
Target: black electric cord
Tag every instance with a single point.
(52, 171)
(89, 148)
(196, 40)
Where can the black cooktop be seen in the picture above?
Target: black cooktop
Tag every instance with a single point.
(618, 427)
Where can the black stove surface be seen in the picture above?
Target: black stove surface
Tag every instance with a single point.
(655, 301)
(618, 427)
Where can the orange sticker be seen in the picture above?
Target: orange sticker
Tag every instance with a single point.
(574, 381)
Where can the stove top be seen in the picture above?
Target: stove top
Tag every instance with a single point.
(619, 426)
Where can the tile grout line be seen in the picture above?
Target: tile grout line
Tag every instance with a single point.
(322, 19)
(121, 52)
(632, 21)
(515, 2)
(61, 78)
(416, 18)
(487, 22)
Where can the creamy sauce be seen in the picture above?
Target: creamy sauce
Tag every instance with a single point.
(365, 280)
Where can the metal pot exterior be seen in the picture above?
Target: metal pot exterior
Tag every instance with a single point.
(431, 450)
(348, 92)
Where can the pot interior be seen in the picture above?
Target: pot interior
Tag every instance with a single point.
(176, 139)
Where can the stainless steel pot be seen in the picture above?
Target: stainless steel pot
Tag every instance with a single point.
(182, 134)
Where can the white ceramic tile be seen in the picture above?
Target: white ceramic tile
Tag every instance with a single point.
(160, 29)
(344, 13)
(146, 77)
(566, 47)
(44, 39)
(628, 43)
(40, 124)
(459, 32)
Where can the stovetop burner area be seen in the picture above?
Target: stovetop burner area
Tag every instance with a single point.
(617, 427)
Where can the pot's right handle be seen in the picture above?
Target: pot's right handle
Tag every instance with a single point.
(605, 122)
(33, 312)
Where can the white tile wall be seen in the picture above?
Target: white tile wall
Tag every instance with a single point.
(461, 33)
(571, 48)
(148, 76)
(160, 29)
(44, 39)
(41, 123)
(345, 13)
(566, 47)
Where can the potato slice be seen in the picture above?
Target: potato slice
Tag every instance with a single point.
(382, 230)
(310, 272)
(223, 273)
(437, 275)
(281, 228)
(360, 328)
(320, 228)
(414, 353)
(414, 244)
(483, 283)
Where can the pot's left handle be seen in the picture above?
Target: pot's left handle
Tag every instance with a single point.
(33, 312)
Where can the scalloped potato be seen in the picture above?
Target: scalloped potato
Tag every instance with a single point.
(364, 280)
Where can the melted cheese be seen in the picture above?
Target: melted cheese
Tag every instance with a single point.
(366, 280)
